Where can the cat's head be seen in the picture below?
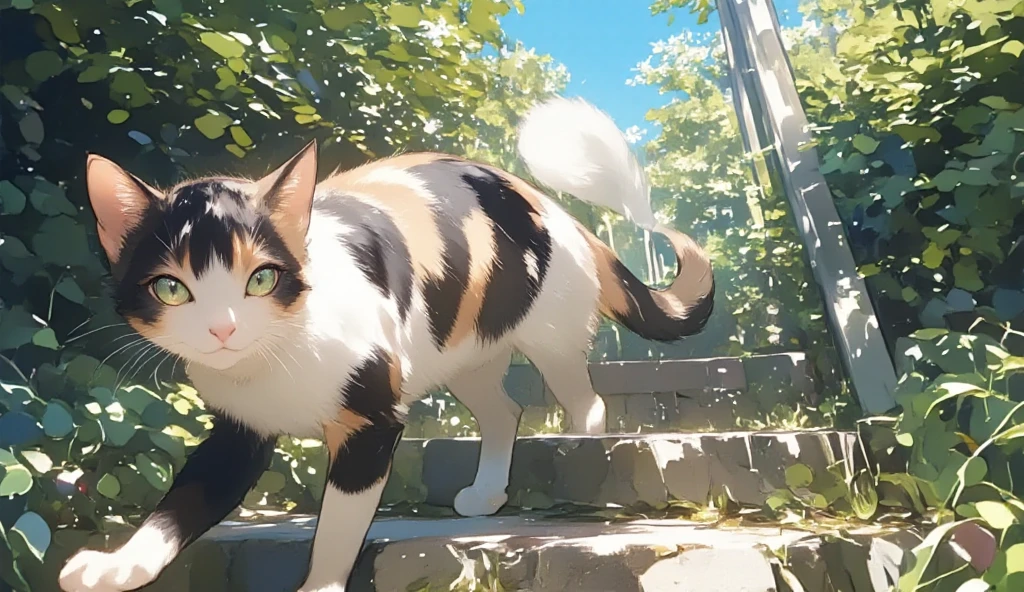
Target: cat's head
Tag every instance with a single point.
(212, 269)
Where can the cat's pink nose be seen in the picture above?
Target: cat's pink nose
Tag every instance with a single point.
(222, 332)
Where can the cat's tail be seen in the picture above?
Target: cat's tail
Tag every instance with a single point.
(572, 147)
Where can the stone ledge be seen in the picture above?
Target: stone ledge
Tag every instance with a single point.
(622, 469)
(541, 555)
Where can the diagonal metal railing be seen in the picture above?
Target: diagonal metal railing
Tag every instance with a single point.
(772, 117)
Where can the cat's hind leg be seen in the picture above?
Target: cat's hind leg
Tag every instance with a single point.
(567, 374)
(481, 390)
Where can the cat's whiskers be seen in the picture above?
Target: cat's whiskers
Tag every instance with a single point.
(91, 331)
(129, 380)
(137, 341)
(283, 365)
(133, 360)
(168, 354)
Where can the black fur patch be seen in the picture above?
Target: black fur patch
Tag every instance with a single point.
(378, 247)
(215, 478)
(456, 200)
(648, 320)
(199, 223)
(365, 458)
(512, 289)
(369, 391)
(461, 187)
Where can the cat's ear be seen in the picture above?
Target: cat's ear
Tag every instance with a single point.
(119, 200)
(288, 195)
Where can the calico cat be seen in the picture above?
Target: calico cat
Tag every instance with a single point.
(325, 309)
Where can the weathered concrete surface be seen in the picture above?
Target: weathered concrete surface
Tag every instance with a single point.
(671, 395)
(540, 555)
(621, 469)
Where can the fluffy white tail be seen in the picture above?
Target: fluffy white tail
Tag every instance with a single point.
(571, 146)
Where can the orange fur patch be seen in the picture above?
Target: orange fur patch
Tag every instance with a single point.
(387, 185)
(479, 231)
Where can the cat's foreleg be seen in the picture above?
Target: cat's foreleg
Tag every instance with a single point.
(215, 478)
(360, 442)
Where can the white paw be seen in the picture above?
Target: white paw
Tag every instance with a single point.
(474, 501)
(96, 571)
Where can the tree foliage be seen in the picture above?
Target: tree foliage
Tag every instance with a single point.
(919, 117)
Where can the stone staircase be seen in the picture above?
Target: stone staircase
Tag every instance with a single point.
(523, 553)
(617, 513)
(580, 542)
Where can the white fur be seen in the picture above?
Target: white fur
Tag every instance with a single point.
(571, 146)
(340, 531)
(135, 564)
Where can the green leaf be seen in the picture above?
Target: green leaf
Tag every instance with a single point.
(1015, 558)
(46, 338)
(61, 22)
(997, 514)
(7, 458)
(240, 137)
(109, 486)
(1013, 433)
(271, 482)
(865, 144)
(923, 553)
(93, 73)
(225, 45)
(947, 180)
(17, 327)
(40, 461)
(952, 391)
(337, 19)
(933, 256)
(35, 532)
(16, 481)
(118, 116)
(212, 125)
(1013, 47)
(68, 288)
(156, 474)
(49, 199)
(404, 16)
(42, 65)
(170, 8)
(798, 476)
(12, 199)
(62, 241)
(965, 272)
(973, 471)
(31, 127)
(916, 133)
(57, 421)
(864, 500)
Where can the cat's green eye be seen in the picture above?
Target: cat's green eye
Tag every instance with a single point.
(262, 282)
(170, 291)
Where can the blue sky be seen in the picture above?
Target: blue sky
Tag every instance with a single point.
(601, 42)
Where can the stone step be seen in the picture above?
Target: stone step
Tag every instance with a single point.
(623, 469)
(672, 395)
(542, 554)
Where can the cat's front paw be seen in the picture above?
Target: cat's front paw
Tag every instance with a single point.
(97, 571)
(474, 501)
